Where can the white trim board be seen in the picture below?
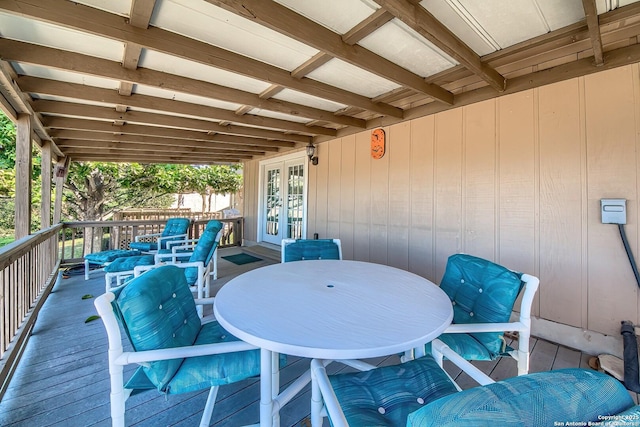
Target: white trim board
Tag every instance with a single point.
(587, 341)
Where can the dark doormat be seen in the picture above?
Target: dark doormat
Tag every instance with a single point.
(241, 259)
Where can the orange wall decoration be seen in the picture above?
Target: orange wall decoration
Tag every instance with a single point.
(377, 143)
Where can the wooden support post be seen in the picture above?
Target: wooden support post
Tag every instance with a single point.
(45, 173)
(61, 171)
(23, 176)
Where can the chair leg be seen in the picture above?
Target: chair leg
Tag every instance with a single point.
(118, 395)
(208, 408)
(86, 269)
(522, 353)
(215, 265)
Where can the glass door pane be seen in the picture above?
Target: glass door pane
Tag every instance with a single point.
(273, 203)
(295, 201)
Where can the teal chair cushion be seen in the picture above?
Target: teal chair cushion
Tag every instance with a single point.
(304, 249)
(204, 250)
(206, 242)
(201, 372)
(465, 344)
(158, 311)
(481, 292)
(144, 246)
(110, 256)
(386, 395)
(540, 399)
(174, 226)
(629, 417)
(129, 263)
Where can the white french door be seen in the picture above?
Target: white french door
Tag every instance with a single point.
(283, 211)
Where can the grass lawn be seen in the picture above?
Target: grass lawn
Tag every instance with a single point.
(5, 240)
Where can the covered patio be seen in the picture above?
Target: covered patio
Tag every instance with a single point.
(410, 130)
(63, 378)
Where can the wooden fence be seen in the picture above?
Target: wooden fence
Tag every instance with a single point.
(28, 271)
(118, 234)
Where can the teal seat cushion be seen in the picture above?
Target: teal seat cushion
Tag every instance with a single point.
(144, 246)
(201, 372)
(540, 399)
(481, 292)
(311, 249)
(630, 417)
(110, 256)
(176, 226)
(173, 227)
(204, 250)
(207, 243)
(129, 263)
(386, 395)
(465, 344)
(158, 311)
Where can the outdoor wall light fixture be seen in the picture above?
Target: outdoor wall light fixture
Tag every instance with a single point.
(311, 150)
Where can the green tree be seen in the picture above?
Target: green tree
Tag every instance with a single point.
(94, 191)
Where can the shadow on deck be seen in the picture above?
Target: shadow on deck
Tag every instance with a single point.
(63, 379)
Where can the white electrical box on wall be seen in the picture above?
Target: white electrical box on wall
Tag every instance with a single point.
(614, 211)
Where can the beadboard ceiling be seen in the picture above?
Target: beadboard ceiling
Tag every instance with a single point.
(224, 81)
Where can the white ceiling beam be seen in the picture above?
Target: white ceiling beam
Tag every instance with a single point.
(90, 20)
(425, 24)
(284, 20)
(74, 62)
(48, 107)
(95, 94)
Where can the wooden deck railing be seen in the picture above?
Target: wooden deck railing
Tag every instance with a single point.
(104, 235)
(28, 271)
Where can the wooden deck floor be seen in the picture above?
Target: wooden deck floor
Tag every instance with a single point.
(63, 380)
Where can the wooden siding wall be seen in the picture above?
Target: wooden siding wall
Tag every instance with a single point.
(517, 180)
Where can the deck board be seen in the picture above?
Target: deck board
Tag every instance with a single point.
(63, 380)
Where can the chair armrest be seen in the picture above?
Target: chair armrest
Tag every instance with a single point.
(462, 328)
(440, 349)
(173, 237)
(146, 236)
(182, 242)
(182, 352)
(180, 250)
(204, 301)
(138, 270)
(160, 257)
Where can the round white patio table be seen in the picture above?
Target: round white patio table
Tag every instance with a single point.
(329, 309)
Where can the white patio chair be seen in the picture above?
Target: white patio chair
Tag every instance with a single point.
(176, 352)
(419, 393)
(175, 229)
(483, 295)
(198, 256)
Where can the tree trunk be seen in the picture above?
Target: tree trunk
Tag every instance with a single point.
(92, 210)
